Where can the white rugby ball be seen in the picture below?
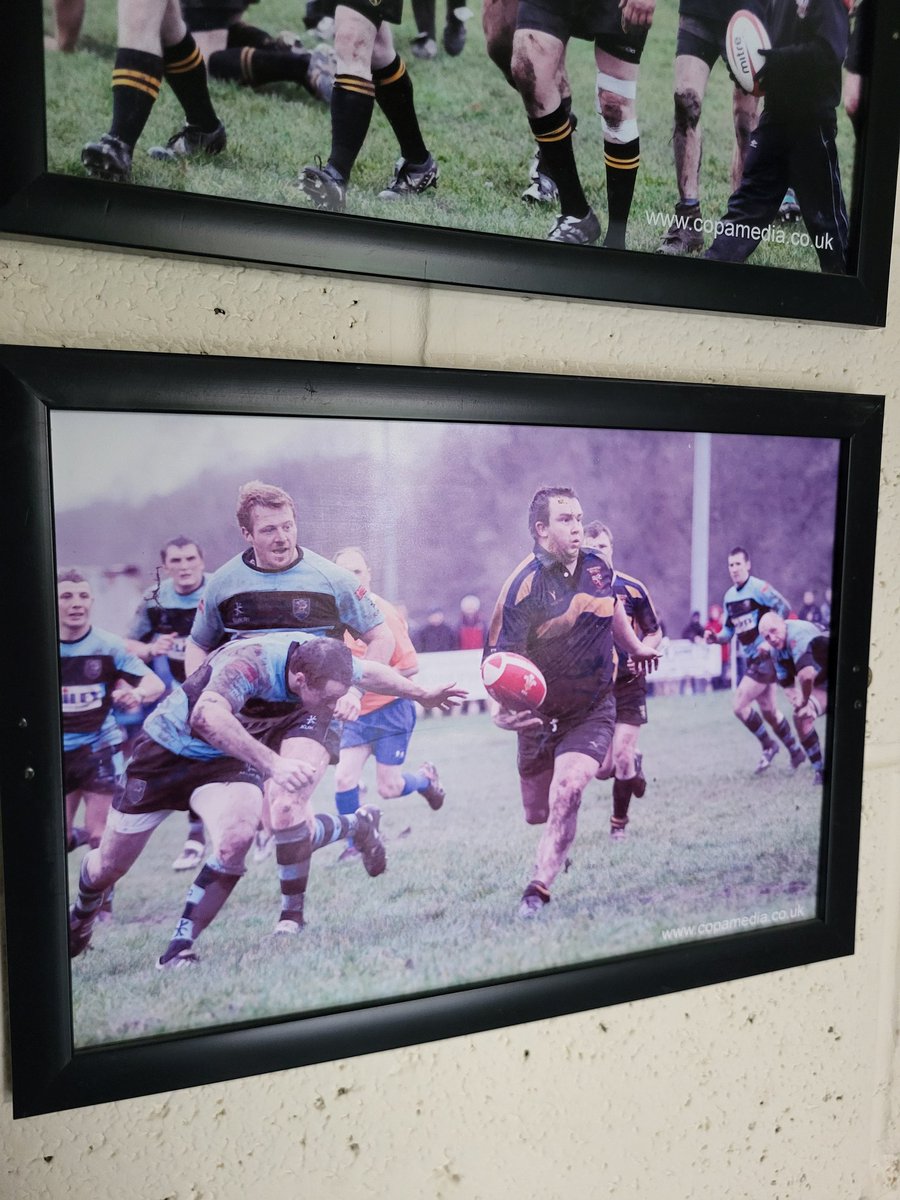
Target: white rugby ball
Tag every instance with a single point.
(745, 37)
(513, 680)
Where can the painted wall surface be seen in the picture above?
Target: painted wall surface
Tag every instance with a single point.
(773, 1088)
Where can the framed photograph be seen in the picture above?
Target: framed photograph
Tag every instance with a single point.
(697, 681)
(640, 166)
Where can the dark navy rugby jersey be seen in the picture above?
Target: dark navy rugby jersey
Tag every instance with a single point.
(640, 612)
(562, 621)
(313, 594)
(166, 610)
(89, 669)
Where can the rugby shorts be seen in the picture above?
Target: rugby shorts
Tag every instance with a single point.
(201, 17)
(598, 21)
(387, 730)
(92, 770)
(704, 39)
(631, 701)
(159, 781)
(318, 725)
(376, 11)
(590, 734)
(761, 669)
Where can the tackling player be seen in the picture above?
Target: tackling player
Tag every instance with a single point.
(369, 70)
(746, 602)
(196, 748)
(801, 663)
(624, 763)
(277, 585)
(559, 609)
(97, 674)
(159, 630)
(385, 725)
(153, 41)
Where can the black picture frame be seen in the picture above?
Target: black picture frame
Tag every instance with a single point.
(37, 204)
(48, 1072)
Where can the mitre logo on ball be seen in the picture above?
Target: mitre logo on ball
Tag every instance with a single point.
(745, 39)
(513, 680)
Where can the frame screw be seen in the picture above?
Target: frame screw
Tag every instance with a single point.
(29, 773)
(23, 724)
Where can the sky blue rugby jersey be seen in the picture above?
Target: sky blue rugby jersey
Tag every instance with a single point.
(744, 606)
(242, 671)
(166, 610)
(89, 669)
(806, 644)
(560, 620)
(314, 595)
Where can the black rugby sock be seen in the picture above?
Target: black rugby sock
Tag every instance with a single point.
(553, 134)
(186, 76)
(136, 80)
(352, 102)
(394, 93)
(622, 162)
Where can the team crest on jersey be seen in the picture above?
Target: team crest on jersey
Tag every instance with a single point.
(596, 574)
(300, 607)
(93, 668)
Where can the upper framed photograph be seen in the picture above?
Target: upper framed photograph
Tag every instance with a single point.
(362, 706)
(694, 155)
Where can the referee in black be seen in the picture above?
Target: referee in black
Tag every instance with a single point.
(794, 143)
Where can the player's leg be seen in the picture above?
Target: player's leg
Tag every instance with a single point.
(424, 44)
(762, 670)
(617, 104)
(347, 775)
(498, 20)
(538, 68)
(572, 772)
(230, 812)
(203, 132)
(392, 727)
(136, 79)
(745, 112)
(626, 782)
(747, 692)
(816, 706)
(352, 103)
(416, 171)
(191, 854)
(251, 57)
(693, 63)
(816, 176)
(102, 867)
(68, 16)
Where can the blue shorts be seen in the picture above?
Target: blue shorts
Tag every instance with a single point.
(387, 730)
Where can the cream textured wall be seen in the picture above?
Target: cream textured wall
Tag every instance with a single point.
(775, 1088)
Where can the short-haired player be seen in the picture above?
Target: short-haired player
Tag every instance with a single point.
(800, 653)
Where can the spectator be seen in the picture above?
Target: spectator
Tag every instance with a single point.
(826, 608)
(435, 634)
(714, 625)
(809, 610)
(471, 633)
(692, 632)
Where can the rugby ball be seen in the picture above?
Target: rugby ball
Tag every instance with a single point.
(745, 38)
(513, 681)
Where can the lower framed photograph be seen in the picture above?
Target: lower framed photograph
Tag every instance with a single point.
(362, 706)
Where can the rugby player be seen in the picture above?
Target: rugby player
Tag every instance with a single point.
(384, 726)
(795, 140)
(368, 69)
(153, 41)
(559, 609)
(197, 748)
(277, 585)
(624, 762)
(536, 53)
(159, 630)
(745, 603)
(701, 41)
(97, 674)
(237, 52)
(801, 663)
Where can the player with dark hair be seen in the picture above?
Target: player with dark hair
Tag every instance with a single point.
(800, 653)
(276, 585)
(624, 765)
(369, 70)
(795, 141)
(237, 52)
(97, 674)
(384, 726)
(745, 603)
(533, 58)
(701, 42)
(159, 631)
(206, 745)
(559, 609)
(153, 41)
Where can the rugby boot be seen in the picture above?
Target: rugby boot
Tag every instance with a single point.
(108, 158)
(765, 761)
(367, 840)
(434, 793)
(323, 186)
(576, 231)
(685, 234)
(190, 141)
(534, 900)
(411, 179)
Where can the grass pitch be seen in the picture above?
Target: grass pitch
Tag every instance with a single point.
(707, 843)
(474, 123)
